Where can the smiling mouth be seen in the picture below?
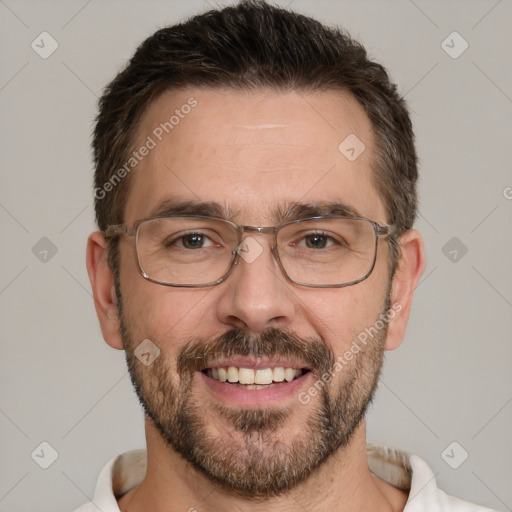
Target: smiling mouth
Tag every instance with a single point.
(250, 378)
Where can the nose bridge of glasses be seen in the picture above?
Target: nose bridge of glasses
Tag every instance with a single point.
(253, 229)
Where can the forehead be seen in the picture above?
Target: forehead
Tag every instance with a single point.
(253, 153)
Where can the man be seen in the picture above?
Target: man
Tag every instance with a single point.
(255, 192)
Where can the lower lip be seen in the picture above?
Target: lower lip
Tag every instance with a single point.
(237, 395)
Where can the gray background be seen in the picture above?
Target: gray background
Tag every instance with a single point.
(450, 380)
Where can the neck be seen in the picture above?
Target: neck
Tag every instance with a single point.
(342, 483)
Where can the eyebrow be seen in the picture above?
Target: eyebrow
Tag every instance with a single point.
(298, 210)
(176, 206)
(282, 213)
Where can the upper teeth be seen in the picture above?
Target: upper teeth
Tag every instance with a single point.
(251, 376)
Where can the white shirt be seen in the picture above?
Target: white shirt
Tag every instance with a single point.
(400, 469)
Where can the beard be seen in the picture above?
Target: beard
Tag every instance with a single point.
(255, 453)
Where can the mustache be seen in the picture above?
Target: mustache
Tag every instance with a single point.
(272, 343)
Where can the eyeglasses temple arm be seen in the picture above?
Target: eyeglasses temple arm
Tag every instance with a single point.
(118, 229)
(388, 230)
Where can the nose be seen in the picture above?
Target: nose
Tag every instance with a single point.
(256, 295)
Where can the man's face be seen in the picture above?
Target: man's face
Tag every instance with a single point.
(254, 155)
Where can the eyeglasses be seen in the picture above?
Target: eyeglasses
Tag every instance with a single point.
(198, 251)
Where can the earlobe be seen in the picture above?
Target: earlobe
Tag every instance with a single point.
(408, 273)
(103, 289)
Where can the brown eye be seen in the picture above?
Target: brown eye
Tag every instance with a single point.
(316, 241)
(193, 241)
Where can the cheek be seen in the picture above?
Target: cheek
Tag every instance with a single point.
(162, 313)
(340, 315)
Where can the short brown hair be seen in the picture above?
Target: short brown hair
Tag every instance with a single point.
(247, 46)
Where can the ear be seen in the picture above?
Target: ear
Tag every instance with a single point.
(410, 268)
(103, 289)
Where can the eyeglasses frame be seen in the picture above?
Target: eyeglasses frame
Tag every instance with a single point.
(132, 231)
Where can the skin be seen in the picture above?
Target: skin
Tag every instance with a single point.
(252, 152)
